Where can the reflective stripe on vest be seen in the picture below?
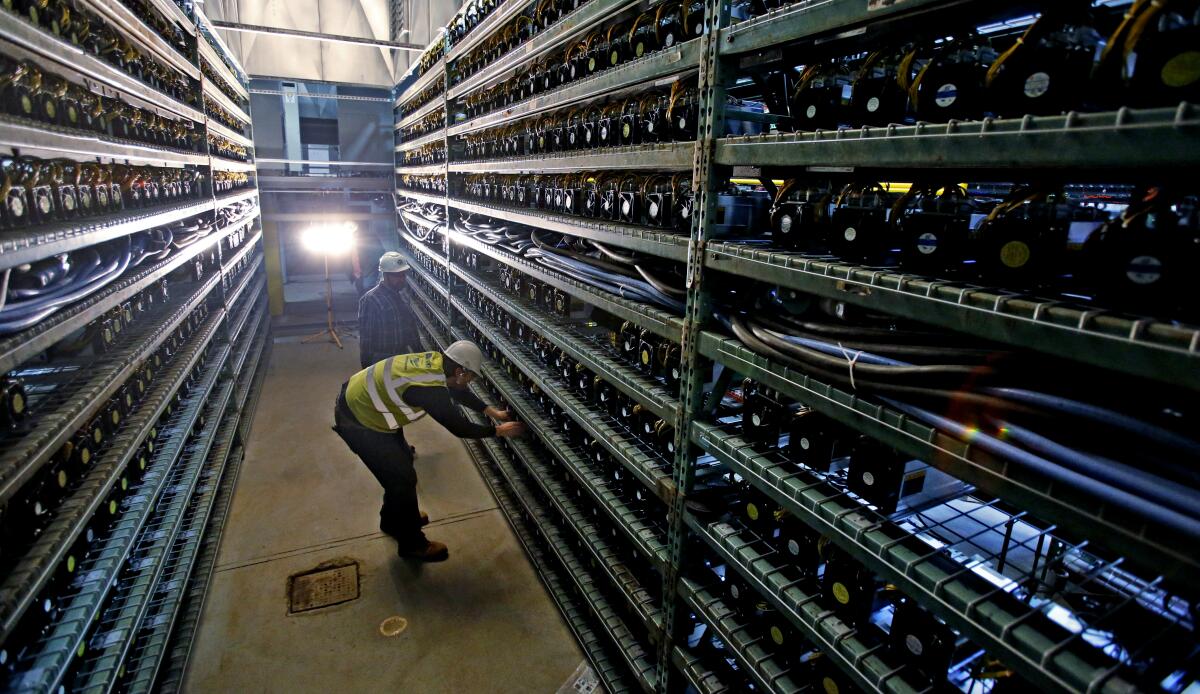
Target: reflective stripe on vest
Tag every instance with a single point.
(376, 394)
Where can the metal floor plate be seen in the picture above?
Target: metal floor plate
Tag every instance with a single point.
(323, 587)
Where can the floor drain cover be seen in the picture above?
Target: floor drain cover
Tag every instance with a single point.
(324, 587)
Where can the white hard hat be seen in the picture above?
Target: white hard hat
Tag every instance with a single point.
(466, 354)
(392, 262)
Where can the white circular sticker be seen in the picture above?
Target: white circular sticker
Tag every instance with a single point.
(682, 122)
(756, 419)
(735, 591)
(946, 95)
(927, 243)
(699, 29)
(793, 548)
(653, 209)
(851, 233)
(785, 223)
(625, 208)
(914, 644)
(873, 104)
(1037, 84)
(868, 479)
(810, 112)
(16, 205)
(805, 443)
(1144, 269)
(669, 41)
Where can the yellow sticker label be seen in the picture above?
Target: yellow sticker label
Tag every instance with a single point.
(752, 511)
(841, 593)
(85, 455)
(70, 563)
(829, 686)
(1182, 70)
(641, 48)
(112, 508)
(777, 635)
(645, 357)
(1015, 254)
(18, 403)
(62, 479)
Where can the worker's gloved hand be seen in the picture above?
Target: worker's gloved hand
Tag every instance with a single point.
(500, 415)
(508, 430)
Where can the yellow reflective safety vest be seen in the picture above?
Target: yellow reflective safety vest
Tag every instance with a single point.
(376, 394)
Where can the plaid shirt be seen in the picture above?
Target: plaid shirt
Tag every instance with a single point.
(386, 324)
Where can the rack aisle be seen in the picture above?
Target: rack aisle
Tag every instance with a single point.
(863, 327)
(132, 325)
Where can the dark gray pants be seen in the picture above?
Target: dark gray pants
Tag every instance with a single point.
(389, 458)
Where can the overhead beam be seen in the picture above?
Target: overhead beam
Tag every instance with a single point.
(327, 162)
(316, 36)
(331, 217)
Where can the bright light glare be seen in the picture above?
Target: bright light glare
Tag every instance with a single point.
(330, 239)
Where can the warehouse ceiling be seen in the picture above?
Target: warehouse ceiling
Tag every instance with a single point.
(306, 59)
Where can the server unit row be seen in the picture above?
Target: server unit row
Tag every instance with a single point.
(854, 338)
(133, 323)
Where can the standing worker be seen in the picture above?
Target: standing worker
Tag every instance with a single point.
(386, 322)
(378, 402)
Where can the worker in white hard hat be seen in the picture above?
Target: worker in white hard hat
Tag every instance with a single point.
(377, 403)
(386, 322)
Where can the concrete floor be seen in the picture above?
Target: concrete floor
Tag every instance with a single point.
(478, 622)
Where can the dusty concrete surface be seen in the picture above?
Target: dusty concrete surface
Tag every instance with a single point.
(478, 622)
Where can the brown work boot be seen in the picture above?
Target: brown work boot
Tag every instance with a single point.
(432, 551)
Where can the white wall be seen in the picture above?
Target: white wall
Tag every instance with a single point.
(425, 18)
(305, 59)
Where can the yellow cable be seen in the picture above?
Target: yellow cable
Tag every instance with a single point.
(633, 29)
(1116, 37)
(904, 70)
(994, 70)
(1139, 27)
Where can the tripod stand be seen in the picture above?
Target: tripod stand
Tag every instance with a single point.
(330, 329)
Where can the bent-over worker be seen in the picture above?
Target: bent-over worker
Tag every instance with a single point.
(377, 403)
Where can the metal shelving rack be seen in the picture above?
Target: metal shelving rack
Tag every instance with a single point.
(1009, 628)
(126, 618)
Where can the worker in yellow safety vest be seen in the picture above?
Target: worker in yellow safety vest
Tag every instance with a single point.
(377, 403)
